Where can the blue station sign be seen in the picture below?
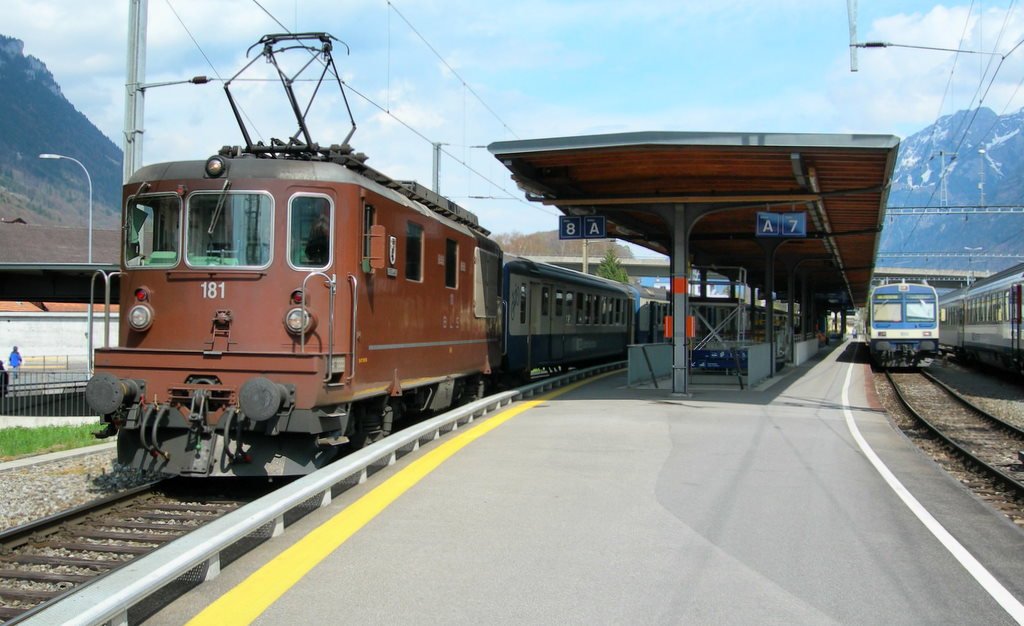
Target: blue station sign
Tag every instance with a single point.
(586, 227)
(793, 224)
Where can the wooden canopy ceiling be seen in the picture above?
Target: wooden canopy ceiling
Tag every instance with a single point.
(636, 180)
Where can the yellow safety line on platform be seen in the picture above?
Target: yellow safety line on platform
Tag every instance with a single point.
(247, 600)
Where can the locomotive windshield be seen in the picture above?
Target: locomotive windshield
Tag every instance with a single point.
(152, 231)
(920, 308)
(232, 228)
(887, 308)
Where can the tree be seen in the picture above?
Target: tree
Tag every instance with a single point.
(610, 268)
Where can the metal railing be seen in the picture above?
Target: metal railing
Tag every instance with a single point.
(43, 392)
(196, 557)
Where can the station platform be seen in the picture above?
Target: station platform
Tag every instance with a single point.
(610, 505)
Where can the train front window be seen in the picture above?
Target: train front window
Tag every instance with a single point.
(887, 308)
(310, 225)
(152, 231)
(229, 229)
(922, 310)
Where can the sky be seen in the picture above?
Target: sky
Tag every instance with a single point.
(466, 73)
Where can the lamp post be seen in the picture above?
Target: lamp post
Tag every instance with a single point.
(970, 261)
(88, 178)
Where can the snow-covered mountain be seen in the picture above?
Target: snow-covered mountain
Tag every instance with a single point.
(969, 158)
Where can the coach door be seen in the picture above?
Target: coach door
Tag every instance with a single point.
(1016, 311)
(542, 295)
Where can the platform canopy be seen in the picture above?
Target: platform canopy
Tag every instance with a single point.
(636, 180)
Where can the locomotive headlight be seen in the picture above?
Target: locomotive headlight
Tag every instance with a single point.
(215, 166)
(140, 317)
(298, 321)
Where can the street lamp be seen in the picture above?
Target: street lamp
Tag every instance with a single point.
(970, 261)
(88, 178)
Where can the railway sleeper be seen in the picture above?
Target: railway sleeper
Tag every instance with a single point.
(38, 559)
(28, 595)
(43, 577)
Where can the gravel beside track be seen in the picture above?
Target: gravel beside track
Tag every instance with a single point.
(999, 394)
(34, 491)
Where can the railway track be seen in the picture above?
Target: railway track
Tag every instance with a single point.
(42, 561)
(983, 442)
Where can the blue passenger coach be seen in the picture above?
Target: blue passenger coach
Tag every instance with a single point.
(650, 307)
(556, 318)
(984, 322)
(902, 324)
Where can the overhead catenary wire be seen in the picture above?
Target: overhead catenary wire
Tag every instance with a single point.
(386, 108)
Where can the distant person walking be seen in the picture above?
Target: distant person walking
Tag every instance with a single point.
(14, 360)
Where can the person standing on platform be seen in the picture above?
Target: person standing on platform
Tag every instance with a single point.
(14, 360)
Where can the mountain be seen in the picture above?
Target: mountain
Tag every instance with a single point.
(952, 163)
(36, 118)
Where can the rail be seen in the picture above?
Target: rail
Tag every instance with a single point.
(196, 556)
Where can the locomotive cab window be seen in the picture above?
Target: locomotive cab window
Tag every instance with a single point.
(310, 231)
(152, 231)
(233, 228)
(414, 252)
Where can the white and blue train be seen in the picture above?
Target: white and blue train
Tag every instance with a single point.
(902, 324)
(982, 322)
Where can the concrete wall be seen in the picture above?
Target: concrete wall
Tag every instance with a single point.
(51, 335)
(658, 354)
(805, 350)
(759, 362)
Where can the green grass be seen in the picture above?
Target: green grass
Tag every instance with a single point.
(19, 441)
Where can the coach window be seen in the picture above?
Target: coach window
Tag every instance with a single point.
(414, 251)
(451, 263)
(559, 302)
(570, 312)
(522, 304)
(545, 301)
(153, 231)
(233, 228)
(581, 303)
(310, 226)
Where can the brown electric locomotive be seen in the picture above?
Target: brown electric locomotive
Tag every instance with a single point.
(282, 303)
